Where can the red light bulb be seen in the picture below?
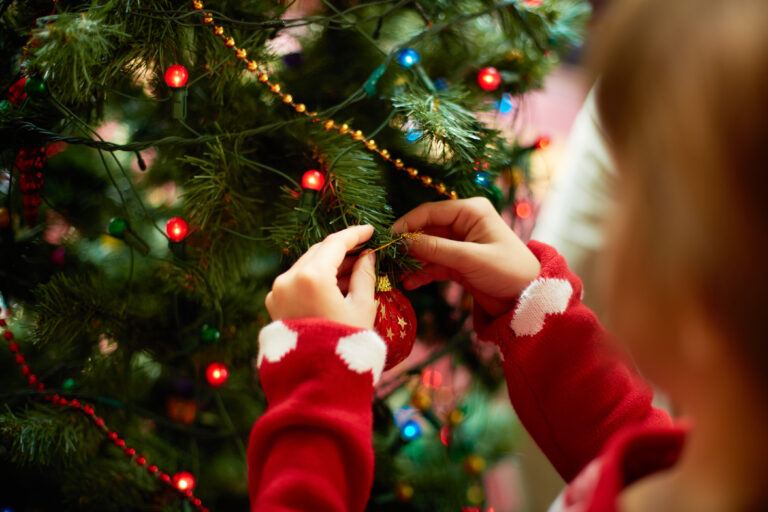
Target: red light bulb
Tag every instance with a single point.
(542, 142)
(523, 210)
(184, 481)
(176, 76)
(313, 180)
(489, 79)
(216, 374)
(177, 229)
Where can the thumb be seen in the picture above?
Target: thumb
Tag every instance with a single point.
(362, 281)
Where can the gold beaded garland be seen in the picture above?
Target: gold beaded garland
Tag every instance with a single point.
(329, 124)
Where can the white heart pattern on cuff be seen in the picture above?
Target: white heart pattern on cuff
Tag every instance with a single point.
(276, 340)
(545, 296)
(362, 352)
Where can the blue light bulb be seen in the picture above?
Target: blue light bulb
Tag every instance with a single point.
(411, 430)
(505, 105)
(483, 179)
(408, 57)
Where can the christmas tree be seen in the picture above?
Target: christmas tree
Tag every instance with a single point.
(161, 162)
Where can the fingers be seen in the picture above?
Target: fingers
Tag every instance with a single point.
(443, 251)
(362, 281)
(332, 250)
(427, 274)
(336, 246)
(456, 214)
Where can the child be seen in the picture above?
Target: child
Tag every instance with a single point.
(684, 101)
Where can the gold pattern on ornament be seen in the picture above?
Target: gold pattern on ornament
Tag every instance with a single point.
(390, 334)
(401, 321)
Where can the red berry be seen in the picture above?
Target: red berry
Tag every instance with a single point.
(40, 386)
(130, 452)
(25, 370)
(13, 347)
(188, 493)
(99, 421)
(8, 335)
(120, 443)
(112, 436)
(19, 359)
(63, 401)
(32, 379)
(152, 468)
(140, 460)
(165, 477)
(75, 403)
(2, 322)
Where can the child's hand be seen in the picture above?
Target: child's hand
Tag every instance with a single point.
(310, 287)
(468, 242)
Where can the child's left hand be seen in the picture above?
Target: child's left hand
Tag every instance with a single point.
(310, 288)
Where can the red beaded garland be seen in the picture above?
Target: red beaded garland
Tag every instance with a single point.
(113, 436)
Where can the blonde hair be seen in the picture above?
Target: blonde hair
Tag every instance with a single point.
(683, 98)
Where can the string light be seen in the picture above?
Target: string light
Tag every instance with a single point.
(329, 124)
(523, 210)
(408, 57)
(176, 76)
(411, 430)
(177, 229)
(313, 180)
(483, 179)
(505, 105)
(216, 374)
(542, 142)
(431, 378)
(37, 385)
(489, 79)
(184, 481)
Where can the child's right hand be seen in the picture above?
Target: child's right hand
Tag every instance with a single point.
(468, 242)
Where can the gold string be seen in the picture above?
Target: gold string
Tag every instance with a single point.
(301, 108)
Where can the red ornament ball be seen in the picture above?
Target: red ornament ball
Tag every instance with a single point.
(16, 92)
(177, 229)
(313, 180)
(184, 481)
(176, 76)
(395, 321)
(489, 79)
(216, 374)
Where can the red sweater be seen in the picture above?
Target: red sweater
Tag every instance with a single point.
(582, 402)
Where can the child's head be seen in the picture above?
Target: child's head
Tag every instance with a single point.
(683, 98)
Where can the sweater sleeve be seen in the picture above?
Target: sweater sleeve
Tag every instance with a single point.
(312, 449)
(570, 387)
